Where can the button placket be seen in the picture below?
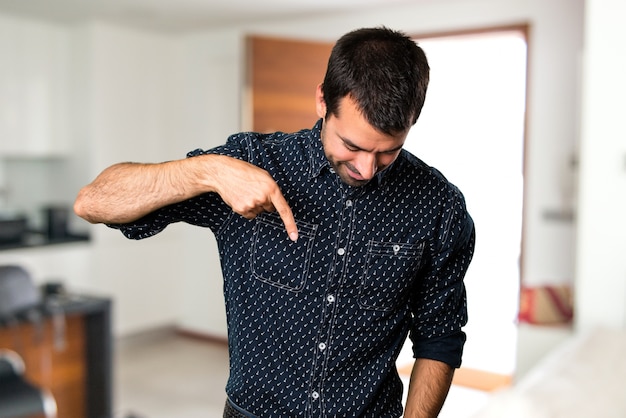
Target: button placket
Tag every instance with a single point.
(330, 306)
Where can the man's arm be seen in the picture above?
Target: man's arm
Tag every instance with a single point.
(428, 388)
(127, 191)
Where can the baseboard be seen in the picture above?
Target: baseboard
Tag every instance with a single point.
(146, 336)
(210, 338)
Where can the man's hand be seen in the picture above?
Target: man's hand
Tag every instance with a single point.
(250, 190)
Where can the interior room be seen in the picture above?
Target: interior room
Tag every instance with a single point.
(84, 87)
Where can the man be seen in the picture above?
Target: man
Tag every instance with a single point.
(335, 243)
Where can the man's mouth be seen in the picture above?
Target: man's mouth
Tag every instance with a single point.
(354, 173)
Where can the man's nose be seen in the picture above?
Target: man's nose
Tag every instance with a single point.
(367, 166)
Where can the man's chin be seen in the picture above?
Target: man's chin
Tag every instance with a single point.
(346, 178)
(352, 182)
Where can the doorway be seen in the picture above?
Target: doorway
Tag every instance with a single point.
(472, 130)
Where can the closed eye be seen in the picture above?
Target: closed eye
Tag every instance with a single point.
(354, 148)
(351, 146)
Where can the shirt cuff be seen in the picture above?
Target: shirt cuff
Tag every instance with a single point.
(447, 349)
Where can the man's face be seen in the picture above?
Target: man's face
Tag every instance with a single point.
(354, 148)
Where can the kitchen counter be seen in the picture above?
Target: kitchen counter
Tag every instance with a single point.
(33, 239)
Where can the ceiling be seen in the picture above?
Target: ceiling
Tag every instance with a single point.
(181, 15)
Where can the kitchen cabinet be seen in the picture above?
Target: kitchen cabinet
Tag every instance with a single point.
(34, 88)
(69, 354)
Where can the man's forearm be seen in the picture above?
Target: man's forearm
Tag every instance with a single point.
(127, 191)
(428, 388)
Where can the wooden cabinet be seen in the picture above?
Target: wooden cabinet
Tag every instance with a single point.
(71, 358)
(59, 369)
(34, 88)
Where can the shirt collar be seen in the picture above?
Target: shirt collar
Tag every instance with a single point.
(317, 158)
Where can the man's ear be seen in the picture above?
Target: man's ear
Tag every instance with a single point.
(320, 103)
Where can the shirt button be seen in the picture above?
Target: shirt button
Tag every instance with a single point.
(315, 395)
(330, 298)
(341, 251)
(348, 203)
(322, 346)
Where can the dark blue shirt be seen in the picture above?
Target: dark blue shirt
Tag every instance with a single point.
(315, 326)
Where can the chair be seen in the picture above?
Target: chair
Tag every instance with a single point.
(19, 398)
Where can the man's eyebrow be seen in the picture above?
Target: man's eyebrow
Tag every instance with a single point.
(351, 144)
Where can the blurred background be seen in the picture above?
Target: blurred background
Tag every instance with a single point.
(525, 98)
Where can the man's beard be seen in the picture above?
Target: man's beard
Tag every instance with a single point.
(341, 169)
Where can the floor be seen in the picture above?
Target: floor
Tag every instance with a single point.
(165, 375)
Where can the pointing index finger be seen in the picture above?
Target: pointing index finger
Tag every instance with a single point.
(283, 209)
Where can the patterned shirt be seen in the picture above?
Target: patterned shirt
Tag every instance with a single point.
(315, 326)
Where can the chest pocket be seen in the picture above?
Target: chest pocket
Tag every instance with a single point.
(388, 275)
(277, 260)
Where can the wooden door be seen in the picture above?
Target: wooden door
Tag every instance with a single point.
(280, 83)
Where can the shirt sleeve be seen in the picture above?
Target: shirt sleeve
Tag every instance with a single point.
(206, 210)
(439, 303)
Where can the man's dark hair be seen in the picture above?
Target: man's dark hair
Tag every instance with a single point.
(384, 71)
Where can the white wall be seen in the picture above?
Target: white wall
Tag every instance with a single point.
(601, 248)
(211, 88)
(130, 112)
(152, 98)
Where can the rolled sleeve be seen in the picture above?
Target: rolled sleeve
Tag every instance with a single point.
(439, 302)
